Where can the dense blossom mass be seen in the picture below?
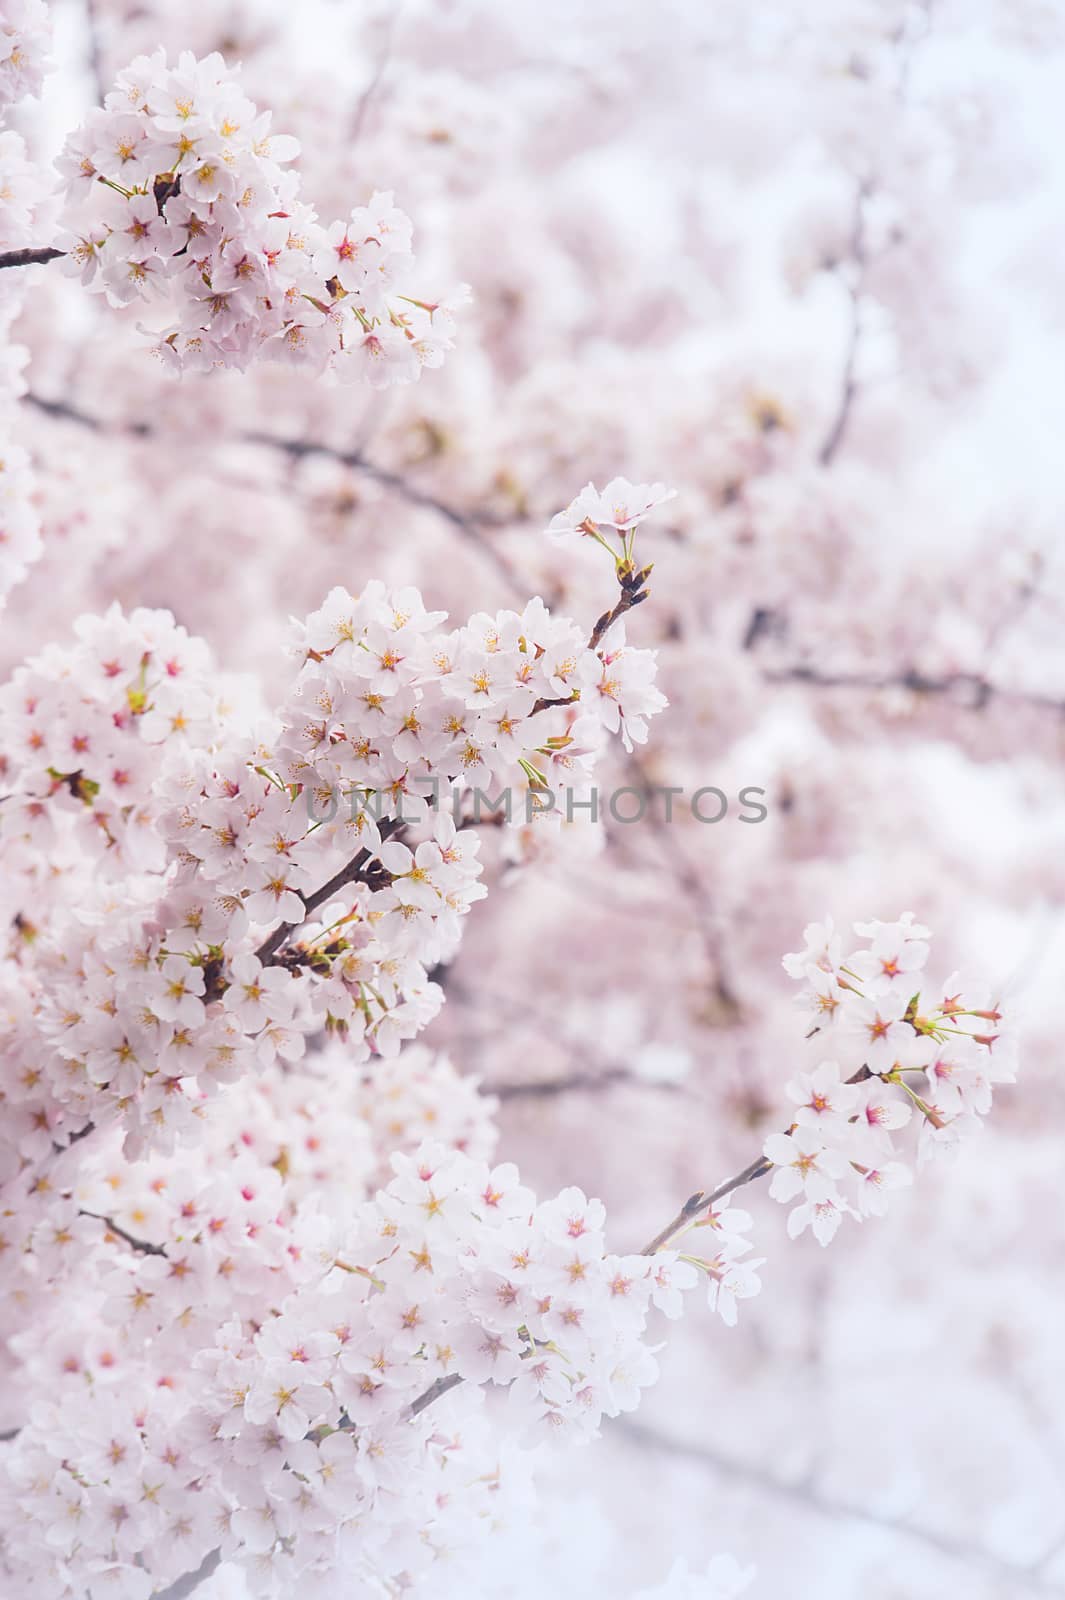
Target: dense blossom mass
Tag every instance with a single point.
(288, 1363)
(162, 850)
(304, 1287)
(182, 199)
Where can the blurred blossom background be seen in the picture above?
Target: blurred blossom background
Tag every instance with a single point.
(801, 261)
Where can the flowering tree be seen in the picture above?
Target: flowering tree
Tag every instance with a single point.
(325, 1334)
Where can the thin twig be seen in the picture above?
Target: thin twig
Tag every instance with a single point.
(375, 82)
(468, 527)
(699, 1202)
(143, 1246)
(633, 591)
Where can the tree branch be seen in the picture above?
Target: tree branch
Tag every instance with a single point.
(468, 525)
(849, 387)
(547, 1088)
(29, 258)
(143, 1246)
(700, 1202)
(92, 24)
(633, 591)
(734, 1469)
(362, 868)
(973, 691)
(434, 1391)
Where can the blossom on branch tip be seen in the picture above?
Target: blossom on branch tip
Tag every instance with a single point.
(621, 506)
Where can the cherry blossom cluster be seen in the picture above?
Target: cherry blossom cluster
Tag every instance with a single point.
(618, 509)
(295, 1374)
(127, 1472)
(796, 453)
(326, 1130)
(900, 1052)
(902, 1056)
(25, 43)
(329, 1128)
(163, 848)
(452, 1272)
(268, 1380)
(181, 202)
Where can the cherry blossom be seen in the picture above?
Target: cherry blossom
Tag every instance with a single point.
(180, 195)
(804, 332)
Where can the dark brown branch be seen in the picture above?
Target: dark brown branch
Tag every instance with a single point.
(362, 868)
(29, 258)
(143, 1246)
(82, 1133)
(633, 591)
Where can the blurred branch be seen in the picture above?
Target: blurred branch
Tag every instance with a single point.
(376, 78)
(469, 526)
(29, 258)
(694, 891)
(142, 1246)
(849, 387)
(92, 24)
(604, 1075)
(973, 691)
(809, 1498)
(575, 1082)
